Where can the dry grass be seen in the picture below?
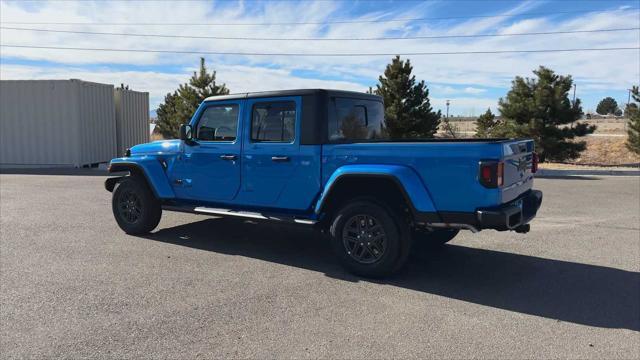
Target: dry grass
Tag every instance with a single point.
(607, 151)
(563, 166)
(604, 126)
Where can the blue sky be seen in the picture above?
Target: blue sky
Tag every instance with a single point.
(471, 82)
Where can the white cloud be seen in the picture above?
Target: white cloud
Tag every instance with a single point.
(473, 90)
(455, 74)
(438, 89)
(442, 89)
(238, 78)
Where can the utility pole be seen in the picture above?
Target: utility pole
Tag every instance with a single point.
(447, 108)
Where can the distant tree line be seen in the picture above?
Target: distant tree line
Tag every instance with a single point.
(537, 108)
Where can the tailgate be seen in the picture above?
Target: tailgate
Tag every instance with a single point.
(518, 161)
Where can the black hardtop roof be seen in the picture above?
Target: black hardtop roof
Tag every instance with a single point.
(295, 92)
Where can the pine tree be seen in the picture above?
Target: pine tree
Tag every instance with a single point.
(607, 106)
(485, 124)
(540, 108)
(633, 132)
(179, 106)
(408, 112)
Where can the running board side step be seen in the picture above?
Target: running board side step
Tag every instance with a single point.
(242, 214)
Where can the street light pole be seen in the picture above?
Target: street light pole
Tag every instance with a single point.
(447, 108)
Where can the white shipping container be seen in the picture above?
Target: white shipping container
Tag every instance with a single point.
(132, 118)
(46, 123)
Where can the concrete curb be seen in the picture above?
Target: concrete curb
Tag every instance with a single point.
(585, 172)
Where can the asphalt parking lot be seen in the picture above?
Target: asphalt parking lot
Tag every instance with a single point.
(73, 285)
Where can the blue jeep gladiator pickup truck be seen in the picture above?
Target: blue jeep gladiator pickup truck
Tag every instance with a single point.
(323, 158)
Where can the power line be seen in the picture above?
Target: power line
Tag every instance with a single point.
(320, 22)
(35, 1)
(318, 39)
(199, 52)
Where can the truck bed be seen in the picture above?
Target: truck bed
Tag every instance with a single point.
(448, 167)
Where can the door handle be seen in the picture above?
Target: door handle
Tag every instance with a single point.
(279, 158)
(228, 157)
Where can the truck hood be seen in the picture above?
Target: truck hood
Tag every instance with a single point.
(157, 148)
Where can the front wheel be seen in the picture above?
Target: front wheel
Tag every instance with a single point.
(369, 240)
(136, 209)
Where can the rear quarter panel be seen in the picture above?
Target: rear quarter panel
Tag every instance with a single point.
(449, 170)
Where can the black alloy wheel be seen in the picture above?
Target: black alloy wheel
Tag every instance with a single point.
(364, 238)
(130, 207)
(136, 209)
(369, 238)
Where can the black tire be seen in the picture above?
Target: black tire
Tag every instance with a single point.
(136, 209)
(435, 238)
(389, 237)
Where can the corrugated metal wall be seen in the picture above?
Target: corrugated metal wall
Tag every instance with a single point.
(66, 122)
(97, 122)
(39, 123)
(132, 118)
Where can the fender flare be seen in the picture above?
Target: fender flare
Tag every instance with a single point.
(409, 182)
(151, 169)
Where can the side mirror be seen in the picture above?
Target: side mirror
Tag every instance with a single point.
(186, 132)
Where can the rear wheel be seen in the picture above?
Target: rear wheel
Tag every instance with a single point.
(136, 209)
(368, 239)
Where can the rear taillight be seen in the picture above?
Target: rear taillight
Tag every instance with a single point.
(491, 173)
(534, 162)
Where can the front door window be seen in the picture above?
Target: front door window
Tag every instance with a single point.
(218, 123)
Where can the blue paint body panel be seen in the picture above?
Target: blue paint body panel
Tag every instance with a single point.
(290, 185)
(404, 175)
(439, 176)
(199, 172)
(152, 168)
(448, 170)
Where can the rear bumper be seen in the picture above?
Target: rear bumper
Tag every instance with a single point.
(511, 216)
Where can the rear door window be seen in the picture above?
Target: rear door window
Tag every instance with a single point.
(357, 119)
(273, 121)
